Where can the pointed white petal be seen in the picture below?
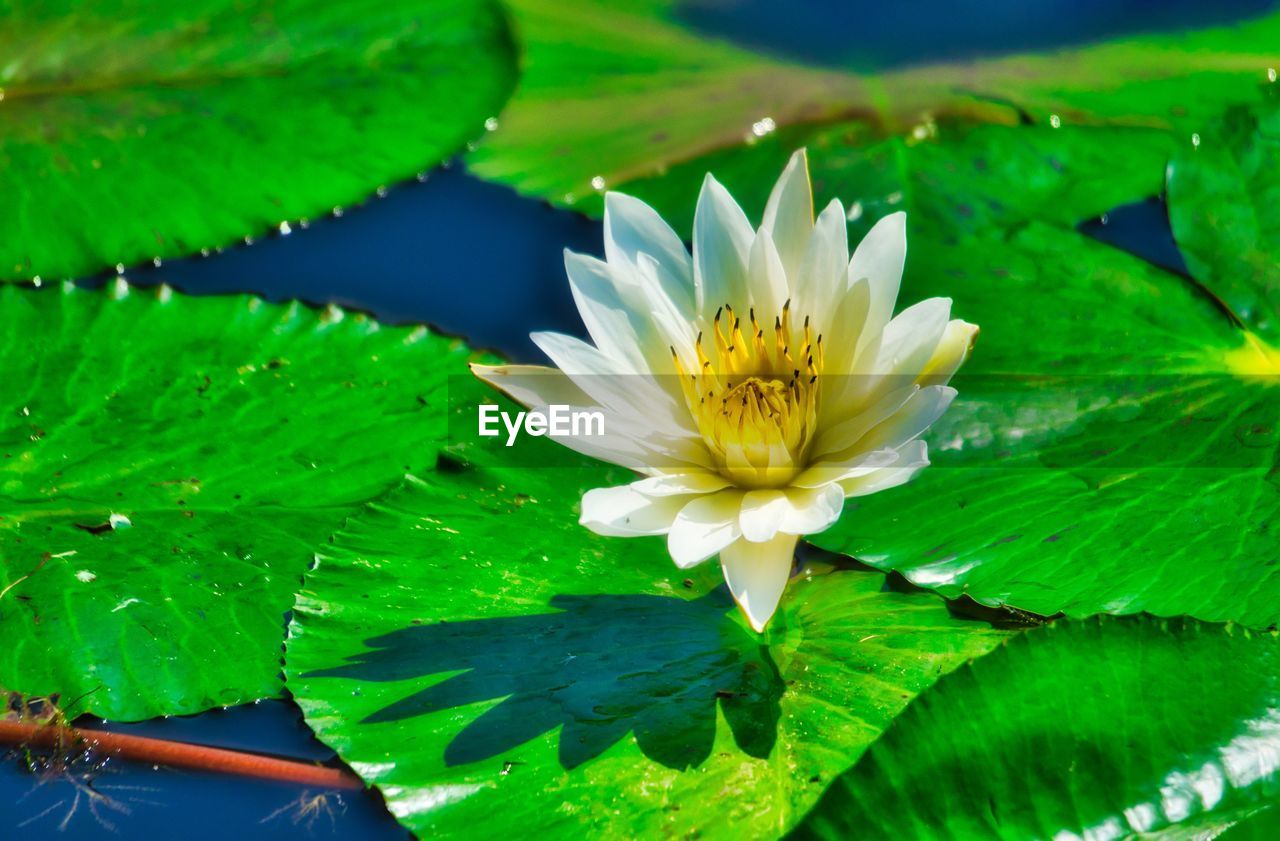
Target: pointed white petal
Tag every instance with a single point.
(612, 385)
(880, 258)
(609, 319)
(911, 421)
(850, 423)
(625, 512)
(721, 242)
(533, 385)
(812, 509)
(823, 276)
(632, 228)
(840, 339)
(825, 472)
(757, 573)
(762, 514)
(768, 279)
(691, 482)
(913, 458)
(788, 216)
(910, 339)
(951, 352)
(704, 526)
(669, 326)
(628, 441)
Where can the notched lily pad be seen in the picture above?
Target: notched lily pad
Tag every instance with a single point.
(163, 483)
(562, 683)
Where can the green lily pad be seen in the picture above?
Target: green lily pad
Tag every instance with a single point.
(1107, 452)
(1105, 728)
(1224, 205)
(167, 467)
(614, 94)
(130, 131)
(481, 658)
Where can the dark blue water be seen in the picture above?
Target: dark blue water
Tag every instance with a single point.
(874, 36)
(464, 255)
(476, 260)
(90, 799)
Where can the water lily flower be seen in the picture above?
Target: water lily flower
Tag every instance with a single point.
(754, 385)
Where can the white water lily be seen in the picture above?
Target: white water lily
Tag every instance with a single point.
(755, 385)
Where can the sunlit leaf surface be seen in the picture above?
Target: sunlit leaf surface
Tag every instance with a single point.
(167, 467)
(133, 130)
(614, 93)
(482, 659)
(1103, 728)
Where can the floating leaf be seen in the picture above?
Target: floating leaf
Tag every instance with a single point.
(612, 94)
(1106, 728)
(137, 130)
(167, 467)
(1106, 453)
(471, 650)
(1224, 205)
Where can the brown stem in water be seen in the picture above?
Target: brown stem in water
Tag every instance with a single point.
(177, 754)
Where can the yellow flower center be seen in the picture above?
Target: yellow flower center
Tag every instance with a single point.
(754, 395)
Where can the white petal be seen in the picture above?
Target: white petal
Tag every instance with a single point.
(825, 472)
(840, 338)
(670, 327)
(880, 258)
(823, 276)
(704, 526)
(911, 421)
(632, 228)
(691, 482)
(951, 352)
(768, 279)
(533, 385)
(788, 216)
(609, 319)
(757, 573)
(625, 512)
(762, 514)
(628, 441)
(849, 423)
(721, 242)
(914, 457)
(910, 339)
(812, 509)
(612, 385)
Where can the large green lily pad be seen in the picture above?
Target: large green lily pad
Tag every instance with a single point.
(1224, 195)
(167, 467)
(1114, 445)
(613, 94)
(482, 659)
(132, 130)
(1104, 728)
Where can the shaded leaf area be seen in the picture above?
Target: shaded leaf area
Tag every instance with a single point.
(1224, 205)
(693, 658)
(563, 682)
(610, 96)
(134, 130)
(167, 467)
(1103, 728)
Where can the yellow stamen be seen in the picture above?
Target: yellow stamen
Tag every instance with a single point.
(755, 405)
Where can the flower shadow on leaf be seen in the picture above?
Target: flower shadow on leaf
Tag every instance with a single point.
(600, 668)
